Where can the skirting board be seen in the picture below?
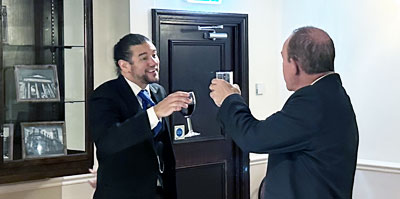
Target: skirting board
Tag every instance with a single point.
(362, 164)
(378, 166)
(48, 183)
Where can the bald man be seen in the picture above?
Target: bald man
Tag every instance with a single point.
(313, 141)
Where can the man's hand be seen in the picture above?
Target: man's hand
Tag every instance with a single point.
(173, 102)
(220, 89)
(93, 183)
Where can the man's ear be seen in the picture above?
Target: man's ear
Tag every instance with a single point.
(123, 65)
(296, 67)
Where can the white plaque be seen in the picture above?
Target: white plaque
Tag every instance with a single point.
(179, 132)
(227, 76)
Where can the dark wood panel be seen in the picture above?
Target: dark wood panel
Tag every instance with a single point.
(192, 70)
(41, 171)
(214, 151)
(200, 182)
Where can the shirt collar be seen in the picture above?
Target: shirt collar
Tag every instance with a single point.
(319, 78)
(135, 88)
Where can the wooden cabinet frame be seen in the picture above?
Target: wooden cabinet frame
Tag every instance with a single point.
(72, 164)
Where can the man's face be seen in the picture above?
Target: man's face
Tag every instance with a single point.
(143, 67)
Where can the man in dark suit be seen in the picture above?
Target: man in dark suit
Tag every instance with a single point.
(134, 148)
(313, 141)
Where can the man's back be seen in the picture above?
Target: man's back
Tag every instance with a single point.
(313, 141)
(324, 163)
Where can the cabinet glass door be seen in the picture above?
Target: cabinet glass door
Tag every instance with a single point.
(43, 72)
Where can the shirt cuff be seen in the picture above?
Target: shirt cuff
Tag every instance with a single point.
(153, 119)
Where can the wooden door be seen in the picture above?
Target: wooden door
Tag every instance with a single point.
(209, 166)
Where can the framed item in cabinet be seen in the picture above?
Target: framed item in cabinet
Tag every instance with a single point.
(8, 141)
(36, 83)
(43, 139)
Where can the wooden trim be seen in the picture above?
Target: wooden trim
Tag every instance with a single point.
(258, 162)
(2, 90)
(378, 166)
(89, 76)
(362, 164)
(43, 184)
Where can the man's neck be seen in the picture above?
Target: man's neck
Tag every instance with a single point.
(320, 76)
(138, 83)
(136, 88)
(310, 79)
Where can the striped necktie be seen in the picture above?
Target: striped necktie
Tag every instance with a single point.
(147, 102)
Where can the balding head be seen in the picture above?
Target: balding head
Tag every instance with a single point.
(312, 49)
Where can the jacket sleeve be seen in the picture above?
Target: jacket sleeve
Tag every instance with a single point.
(110, 131)
(284, 131)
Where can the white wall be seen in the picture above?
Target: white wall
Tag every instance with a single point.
(366, 35)
(111, 22)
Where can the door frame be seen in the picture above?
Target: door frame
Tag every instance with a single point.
(241, 72)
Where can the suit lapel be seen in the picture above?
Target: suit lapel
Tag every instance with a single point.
(155, 94)
(129, 97)
(132, 102)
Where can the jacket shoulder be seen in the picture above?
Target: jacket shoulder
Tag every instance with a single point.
(157, 88)
(110, 86)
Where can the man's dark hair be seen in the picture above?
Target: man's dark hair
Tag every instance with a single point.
(122, 48)
(312, 49)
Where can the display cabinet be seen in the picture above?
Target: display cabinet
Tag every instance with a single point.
(46, 76)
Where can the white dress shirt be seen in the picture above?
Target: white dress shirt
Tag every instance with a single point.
(153, 119)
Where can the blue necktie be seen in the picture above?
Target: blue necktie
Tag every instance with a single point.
(147, 103)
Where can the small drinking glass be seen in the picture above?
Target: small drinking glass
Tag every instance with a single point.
(187, 113)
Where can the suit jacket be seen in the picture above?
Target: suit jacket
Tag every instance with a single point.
(312, 142)
(126, 151)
